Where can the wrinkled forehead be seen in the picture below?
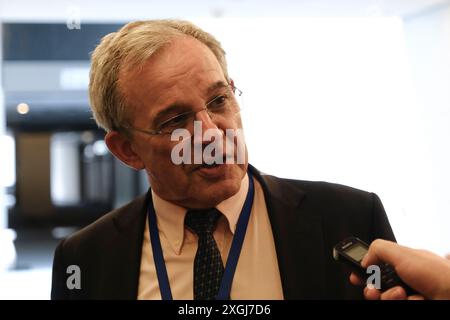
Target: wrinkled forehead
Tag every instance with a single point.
(182, 57)
(184, 66)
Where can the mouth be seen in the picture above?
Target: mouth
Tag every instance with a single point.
(209, 166)
(210, 163)
(213, 170)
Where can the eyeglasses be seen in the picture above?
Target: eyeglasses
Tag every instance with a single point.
(223, 105)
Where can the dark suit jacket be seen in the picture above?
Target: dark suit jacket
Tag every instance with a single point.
(307, 218)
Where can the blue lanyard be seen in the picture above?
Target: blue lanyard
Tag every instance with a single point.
(233, 256)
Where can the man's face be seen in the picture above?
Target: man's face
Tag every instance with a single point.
(177, 78)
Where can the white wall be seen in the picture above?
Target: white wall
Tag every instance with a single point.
(428, 40)
(107, 10)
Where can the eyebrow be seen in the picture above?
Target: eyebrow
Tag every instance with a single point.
(216, 85)
(174, 107)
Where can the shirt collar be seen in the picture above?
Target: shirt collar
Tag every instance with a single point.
(170, 216)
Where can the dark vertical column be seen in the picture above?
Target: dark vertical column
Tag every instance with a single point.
(33, 174)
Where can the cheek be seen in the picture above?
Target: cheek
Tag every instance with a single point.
(159, 154)
(235, 122)
(149, 152)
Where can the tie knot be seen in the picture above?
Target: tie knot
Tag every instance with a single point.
(202, 221)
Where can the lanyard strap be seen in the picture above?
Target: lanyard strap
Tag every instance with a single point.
(233, 256)
(161, 271)
(236, 245)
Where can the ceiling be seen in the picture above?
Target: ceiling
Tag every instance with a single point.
(107, 10)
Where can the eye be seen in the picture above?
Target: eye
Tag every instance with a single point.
(176, 121)
(218, 102)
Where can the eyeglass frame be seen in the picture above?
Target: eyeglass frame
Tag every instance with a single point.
(191, 112)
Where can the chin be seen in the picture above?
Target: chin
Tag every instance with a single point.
(227, 190)
(218, 192)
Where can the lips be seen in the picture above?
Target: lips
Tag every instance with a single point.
(207, 166)
(212, 171)
(209, 163)
(212, 165)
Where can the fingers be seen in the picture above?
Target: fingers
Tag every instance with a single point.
(376, 251)
(355, 280)
(416, 297)
(386, 251)
(395, 293)
(370, 293)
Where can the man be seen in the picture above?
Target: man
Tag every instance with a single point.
(422, 270)
(203, 230)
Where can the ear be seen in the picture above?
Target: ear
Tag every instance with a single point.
(122, 148)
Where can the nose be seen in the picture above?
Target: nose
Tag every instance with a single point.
(206, 119)
(209, 129)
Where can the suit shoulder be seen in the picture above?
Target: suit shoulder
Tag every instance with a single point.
(330, 200)
(319, 189)
(104, 228)
(332, 189)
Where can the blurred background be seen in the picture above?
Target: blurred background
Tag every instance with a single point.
(355, 92)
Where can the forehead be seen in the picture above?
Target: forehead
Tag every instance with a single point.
(184, 66)
(183, 54)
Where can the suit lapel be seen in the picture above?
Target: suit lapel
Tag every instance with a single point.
(298, 238)
(124, 267)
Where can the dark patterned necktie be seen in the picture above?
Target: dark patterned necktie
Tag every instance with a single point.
(208, 266)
